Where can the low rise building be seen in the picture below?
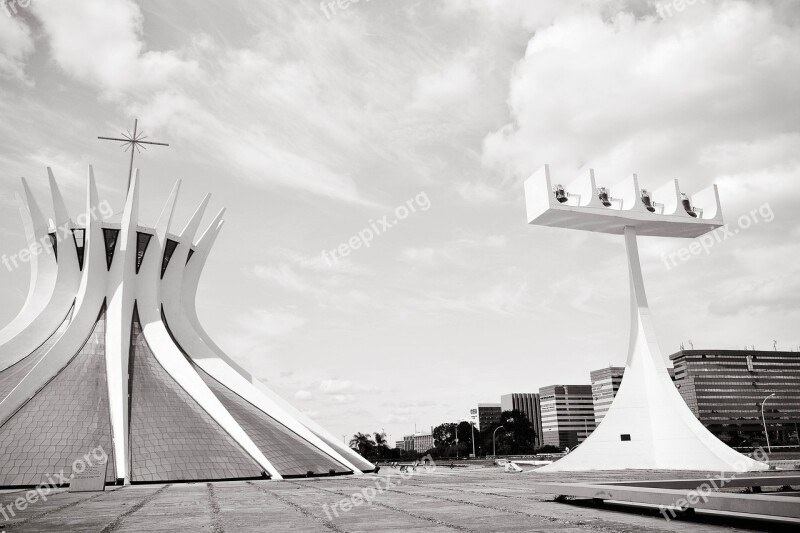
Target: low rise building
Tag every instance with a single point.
(417, 442)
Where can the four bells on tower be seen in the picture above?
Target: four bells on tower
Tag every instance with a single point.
(604, 195)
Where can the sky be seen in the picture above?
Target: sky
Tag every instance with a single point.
(419, 121)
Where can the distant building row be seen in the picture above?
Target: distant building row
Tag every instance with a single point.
(724, 389)
(417, 442)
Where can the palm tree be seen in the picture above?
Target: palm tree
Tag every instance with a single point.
(362, 443)
(380, 444)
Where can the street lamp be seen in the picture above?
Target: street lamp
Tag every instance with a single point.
(456, 432)
(472, 423)
(763, 421)
(494, 451)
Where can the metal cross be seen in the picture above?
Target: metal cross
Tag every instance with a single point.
(133, 142)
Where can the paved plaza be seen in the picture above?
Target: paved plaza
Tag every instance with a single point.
(460, 499)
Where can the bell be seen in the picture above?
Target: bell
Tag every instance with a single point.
(647, 202)
(561, 195)
(687, 205)
(602, 193)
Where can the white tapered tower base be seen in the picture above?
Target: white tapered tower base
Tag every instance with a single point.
(649, 426)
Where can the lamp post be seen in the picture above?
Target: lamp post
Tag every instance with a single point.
(456, 432)
(494, 433)
(763, 421)
(472, 424)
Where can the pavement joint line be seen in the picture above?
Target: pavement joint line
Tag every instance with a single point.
(581, 524)
(397, 509)
(216, 516)
(305, 512)
(13, 525)
(117, 522)
(14, 492)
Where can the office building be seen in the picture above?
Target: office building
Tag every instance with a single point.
(416, 442)
(423, 442)
(527, 403)
(485, 415)
(605, 384)
(725, 390)
(567, 414)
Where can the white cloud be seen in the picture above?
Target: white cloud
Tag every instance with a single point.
(498, 298)
(263, 161)
(332, 386)
(302, 395)
(265, 323)
(638, 90)
(455, 251)
(282, 275)
(318, 264)
(99, 42)
(478, 192)
(450, 85)
(759, 295)
(418, 255)
(530, 15)
(311, 413)
(343, 398)
(254, 334)
(16, 44)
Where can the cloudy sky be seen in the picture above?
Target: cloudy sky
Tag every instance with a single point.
(311, 124)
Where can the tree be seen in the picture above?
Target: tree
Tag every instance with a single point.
(517, 436)
(444, 435)
(465, 433)
(381, 446)
(363, 444)
(444, 438)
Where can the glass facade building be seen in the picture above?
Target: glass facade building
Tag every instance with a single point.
(725, 389)
(567, 414)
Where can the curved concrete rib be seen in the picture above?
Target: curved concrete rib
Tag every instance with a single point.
(121, 298)
(61, 286)
(178, 275)
(168, 355)
(62, 297)
(183, 333)
(42, 264)
(88, 304)
(208, 356)
(661, 430)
